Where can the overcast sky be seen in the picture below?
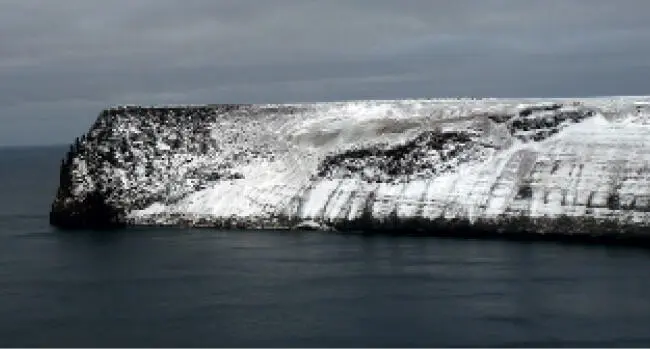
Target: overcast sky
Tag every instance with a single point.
(62, 61)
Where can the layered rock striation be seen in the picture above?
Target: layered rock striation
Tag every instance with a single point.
(529, 167)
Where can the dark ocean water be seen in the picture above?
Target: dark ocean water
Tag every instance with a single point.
(173, 287)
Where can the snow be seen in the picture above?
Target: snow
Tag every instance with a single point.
(262, 161)
(318, 198)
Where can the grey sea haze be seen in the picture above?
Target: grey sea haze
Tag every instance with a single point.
(178, 287)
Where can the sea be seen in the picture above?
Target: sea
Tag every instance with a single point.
(206, 288)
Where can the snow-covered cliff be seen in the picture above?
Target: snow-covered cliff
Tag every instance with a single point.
(534, 165)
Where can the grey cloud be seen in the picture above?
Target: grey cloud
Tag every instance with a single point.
(62, 61)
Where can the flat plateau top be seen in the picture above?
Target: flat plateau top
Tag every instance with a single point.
(461, 100)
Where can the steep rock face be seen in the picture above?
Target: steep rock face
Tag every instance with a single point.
(532, 165)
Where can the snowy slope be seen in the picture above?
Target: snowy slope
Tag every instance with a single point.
(335, 163)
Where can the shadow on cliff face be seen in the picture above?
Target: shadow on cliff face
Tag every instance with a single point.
(93, 212)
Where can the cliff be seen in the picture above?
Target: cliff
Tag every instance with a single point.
(534, 166)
